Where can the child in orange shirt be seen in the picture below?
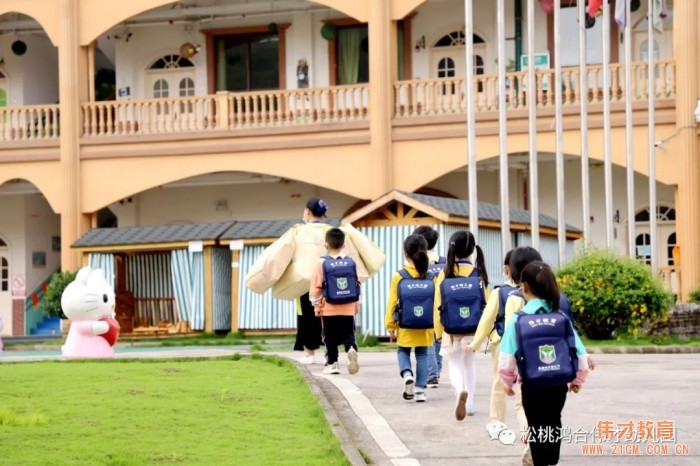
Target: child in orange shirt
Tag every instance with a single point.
(335, 295)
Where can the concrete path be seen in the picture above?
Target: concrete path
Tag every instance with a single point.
(374, 421)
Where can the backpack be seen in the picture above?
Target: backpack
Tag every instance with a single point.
(437, 267)
(504, 292)
(546, 349)
(463, 302)
(340, 282)
(416, 301)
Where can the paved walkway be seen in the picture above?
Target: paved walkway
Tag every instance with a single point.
(378, 424)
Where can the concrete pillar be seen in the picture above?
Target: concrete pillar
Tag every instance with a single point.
(72, 78)
(685, 33)
(382, 37)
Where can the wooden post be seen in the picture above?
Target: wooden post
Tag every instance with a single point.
(235, 277)
(208, 292)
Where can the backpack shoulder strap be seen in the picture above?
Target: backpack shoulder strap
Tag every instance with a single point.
(518, 335)
(404, 274)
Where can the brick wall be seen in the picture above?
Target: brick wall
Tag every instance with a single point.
(684, 320)
(17, 317)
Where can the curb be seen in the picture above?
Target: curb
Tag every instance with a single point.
(346, 444)
(671, 349)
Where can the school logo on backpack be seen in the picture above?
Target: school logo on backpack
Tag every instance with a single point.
(414, 309)
(340, 282)
(546, 348)
(463, 301)
(548, 354)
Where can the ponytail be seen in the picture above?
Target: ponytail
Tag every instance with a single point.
(421, 262)
(481, 265)
(463, 244)
(416, 247)
(540, 279)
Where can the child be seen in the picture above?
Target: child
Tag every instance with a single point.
(461, 291)
(437, 263)
(491, 326)
(399, 309)
(335, 295)
(541, 345)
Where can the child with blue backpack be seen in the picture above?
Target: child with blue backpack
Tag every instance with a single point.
(335, 295)
(491, 326)
(461, 291)
(437, 263)
(409, 316)
(540, 342)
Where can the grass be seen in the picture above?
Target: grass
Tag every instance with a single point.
(644, 341)
(244, 410)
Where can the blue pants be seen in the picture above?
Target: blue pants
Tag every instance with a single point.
(434, 360)
(404, 355)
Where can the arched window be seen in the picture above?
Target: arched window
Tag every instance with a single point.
(446, 68)
(456, 38)
(644, 50)
(643, 243)
(663, 214)
(160, 89)
(168, 62)
(2, 243)
(4, 274)
(186, 87)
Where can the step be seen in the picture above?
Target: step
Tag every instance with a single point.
(46, 331)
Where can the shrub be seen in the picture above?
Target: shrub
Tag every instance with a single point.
(694, 296)
(611, 294)
(52, 298)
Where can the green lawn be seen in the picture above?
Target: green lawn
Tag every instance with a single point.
(235, 411)
(644, 341)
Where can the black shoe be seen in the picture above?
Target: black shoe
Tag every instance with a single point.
(433, 382)
(590, 21)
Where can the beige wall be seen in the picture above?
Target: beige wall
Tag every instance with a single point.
(259, 201)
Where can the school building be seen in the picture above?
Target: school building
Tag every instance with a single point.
(157, 114)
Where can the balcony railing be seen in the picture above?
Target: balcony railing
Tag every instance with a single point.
(447, 96)
(36, 122)
(227, 111)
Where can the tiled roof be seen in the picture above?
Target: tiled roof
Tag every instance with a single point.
(152, 234)
(460, 208)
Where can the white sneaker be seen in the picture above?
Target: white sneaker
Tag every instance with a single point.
(420, 395)
(332, 369)
(307, 360)
(408, 387)
(353, 365)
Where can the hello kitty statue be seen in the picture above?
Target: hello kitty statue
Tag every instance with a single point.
(88, 302)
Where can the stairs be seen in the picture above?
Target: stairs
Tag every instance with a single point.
(48, 326)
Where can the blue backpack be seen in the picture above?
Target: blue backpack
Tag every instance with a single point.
(437, 267)
(416, 301)
(546, 348)
(340, 282)
(463, 302)
(504, 292)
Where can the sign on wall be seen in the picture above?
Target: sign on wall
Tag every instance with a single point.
(19, 287)
(541, 63)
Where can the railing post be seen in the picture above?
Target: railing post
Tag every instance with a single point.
(222, 110)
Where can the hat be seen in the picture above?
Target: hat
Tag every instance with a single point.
(317, 207)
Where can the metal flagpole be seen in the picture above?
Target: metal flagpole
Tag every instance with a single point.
(503, 129)
(651, 89)
(471, 119)
(606, 127)
(583, 102)
(628, 128)
(533, 168)
(559, 128)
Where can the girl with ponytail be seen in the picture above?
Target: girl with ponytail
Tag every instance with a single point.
(462, 246)
(415, 273)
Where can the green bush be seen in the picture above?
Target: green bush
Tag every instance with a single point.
(611, 294)
(52, 298)
(694, 296)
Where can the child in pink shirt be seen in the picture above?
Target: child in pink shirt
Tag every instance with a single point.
(336, 300)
